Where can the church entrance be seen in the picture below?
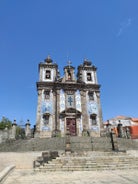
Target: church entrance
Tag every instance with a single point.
(71, 126)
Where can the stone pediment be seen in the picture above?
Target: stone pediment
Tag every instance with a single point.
(46, 114)
(70, 110)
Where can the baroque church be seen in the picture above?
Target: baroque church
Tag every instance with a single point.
(69, 103)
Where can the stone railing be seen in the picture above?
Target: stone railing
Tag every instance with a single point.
(10, 134)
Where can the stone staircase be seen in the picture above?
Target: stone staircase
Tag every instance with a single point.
(87, 153)
(90, 161)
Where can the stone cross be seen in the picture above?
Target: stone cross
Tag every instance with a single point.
(70, 100)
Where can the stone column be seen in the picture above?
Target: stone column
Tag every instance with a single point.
(27, 130)
(13, 131)
(38, 115)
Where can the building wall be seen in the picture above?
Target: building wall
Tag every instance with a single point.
(126, 123)
(134, 131)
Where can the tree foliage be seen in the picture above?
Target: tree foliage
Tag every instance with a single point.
(5, 123)
(20, 133)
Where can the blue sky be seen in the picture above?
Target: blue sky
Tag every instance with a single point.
(103, 31)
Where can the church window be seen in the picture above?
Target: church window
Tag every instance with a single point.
(80, 76)
(46, 94)
(89, 77)
(93, 119)
(91, 95)
(46, 119)
(69, 76)
(48, 74)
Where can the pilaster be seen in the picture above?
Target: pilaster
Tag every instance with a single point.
(85, 118)
(38, 117)
(99, 110)
(13, 131)
(27, 129)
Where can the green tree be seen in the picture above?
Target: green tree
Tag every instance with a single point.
(5, 122)
(20, 133)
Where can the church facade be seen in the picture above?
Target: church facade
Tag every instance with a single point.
(68, 103)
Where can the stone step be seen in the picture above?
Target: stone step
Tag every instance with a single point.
(89, 161)
(78, 168)
(98, 162)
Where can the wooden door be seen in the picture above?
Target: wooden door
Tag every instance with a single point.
(71, 126)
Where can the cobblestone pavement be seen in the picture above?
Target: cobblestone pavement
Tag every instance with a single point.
(77, 177)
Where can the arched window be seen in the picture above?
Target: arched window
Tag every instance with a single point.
(93, 119)
(89, 77)
(46, 94)
(46, 119)
(48, 74)
(91, 95)
(69, 76)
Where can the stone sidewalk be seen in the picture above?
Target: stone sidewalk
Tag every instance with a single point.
(77, 177)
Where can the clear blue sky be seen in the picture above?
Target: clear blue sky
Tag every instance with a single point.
(104, 31)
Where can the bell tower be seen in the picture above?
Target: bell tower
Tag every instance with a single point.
(87, 73)
(47, 70)
(48, 74)
(88, 76)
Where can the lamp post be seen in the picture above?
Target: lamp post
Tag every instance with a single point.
(113, 140)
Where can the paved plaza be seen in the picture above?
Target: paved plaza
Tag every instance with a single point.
(77, 177)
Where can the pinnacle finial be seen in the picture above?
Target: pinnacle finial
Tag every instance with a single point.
(48, 59)
(69, 63)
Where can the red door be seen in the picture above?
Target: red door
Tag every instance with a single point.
(71, 125)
